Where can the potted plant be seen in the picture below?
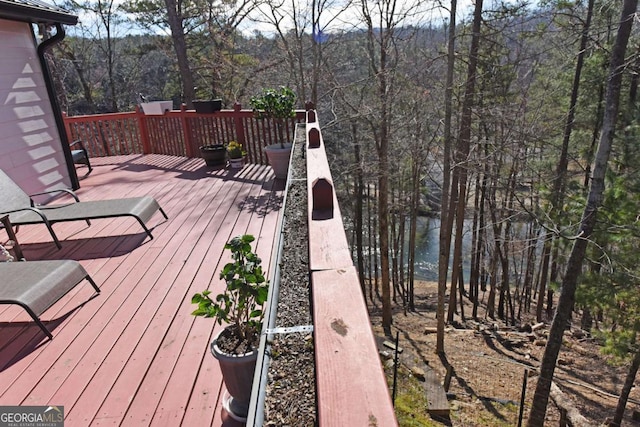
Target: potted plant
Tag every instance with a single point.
(207, 106)
(213, 154)
(239, 307)
(236, 154)
(276, 104)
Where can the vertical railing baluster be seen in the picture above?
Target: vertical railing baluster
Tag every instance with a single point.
(180, 132)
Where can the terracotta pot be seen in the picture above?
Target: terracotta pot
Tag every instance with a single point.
(237, 374)
(279, 159)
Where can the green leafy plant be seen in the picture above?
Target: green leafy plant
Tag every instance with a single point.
(240, 305)
(276, 104)
(235, 151)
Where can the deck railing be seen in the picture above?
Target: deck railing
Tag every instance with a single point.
(176, 132)
(350, 382)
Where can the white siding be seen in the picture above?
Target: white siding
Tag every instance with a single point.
(30, 148)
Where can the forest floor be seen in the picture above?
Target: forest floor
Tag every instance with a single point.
(489, 361)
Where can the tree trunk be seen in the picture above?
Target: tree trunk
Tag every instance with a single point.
(174, 15)
(544, 274)
(463, 147)
(574, 416)
(359, 190)
(445, 235)
(413, 228)
(588, 221)
(371, 239)
(383, 214)
(626, 389)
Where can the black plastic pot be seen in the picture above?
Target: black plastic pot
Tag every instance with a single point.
(208, 106)
(213, 155)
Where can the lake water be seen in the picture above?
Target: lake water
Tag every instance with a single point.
(427, 247)
(427, 244)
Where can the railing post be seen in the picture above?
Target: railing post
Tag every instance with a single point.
(144, 132)
(67, 127)
(186, 131)
(237, 122)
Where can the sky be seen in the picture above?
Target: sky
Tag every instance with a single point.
(337, 16)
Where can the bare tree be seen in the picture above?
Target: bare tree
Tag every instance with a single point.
(458, 201)
(445, 230)
(175, 18)
(559, 180)
(105, 27)
(588, 221)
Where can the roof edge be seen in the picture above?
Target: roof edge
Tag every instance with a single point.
(36, 12)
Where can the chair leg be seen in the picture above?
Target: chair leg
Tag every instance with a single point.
(91, 281)
(38, 322)
(48, 225)
(44, 328)
(53, 235)
(146, 229)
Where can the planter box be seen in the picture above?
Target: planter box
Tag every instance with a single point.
(207, 107)
(156, 108)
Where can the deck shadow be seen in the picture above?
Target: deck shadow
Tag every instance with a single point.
(262, 205)
(86, 248)
(22, 338)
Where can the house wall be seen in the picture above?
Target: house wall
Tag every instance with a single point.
(30, 148)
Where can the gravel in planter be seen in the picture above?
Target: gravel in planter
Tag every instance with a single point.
(291, 387)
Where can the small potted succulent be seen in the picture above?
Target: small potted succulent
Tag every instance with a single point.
(236, 154)
(239, 307)
(276, 104)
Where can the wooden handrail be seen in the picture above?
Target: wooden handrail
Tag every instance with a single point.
(176, 132)
(347, 363)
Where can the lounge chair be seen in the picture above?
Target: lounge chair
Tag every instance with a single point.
(22, 209)
(37, 285)
(80, 155)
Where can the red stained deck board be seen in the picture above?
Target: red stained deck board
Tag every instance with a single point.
(191, 353)
(152, 384)
(348, 365)
(20, 383)
(269, 216)
(145, 331)
(79, 359)
(205, 396)
(99, 280)
(73, 368)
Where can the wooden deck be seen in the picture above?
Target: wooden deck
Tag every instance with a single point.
(134, 355)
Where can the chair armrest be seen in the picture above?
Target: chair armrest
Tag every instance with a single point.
(80, 145)
(61, 190)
